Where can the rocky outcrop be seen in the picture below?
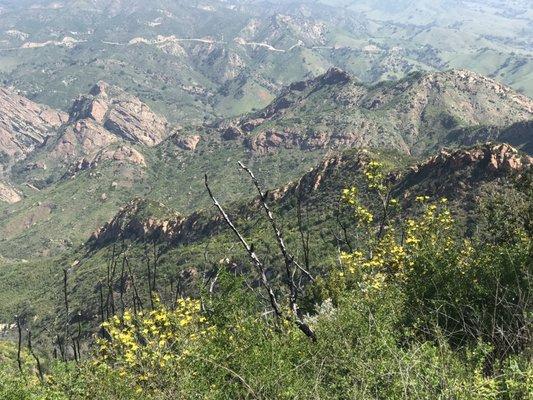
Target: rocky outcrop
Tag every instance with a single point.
(188, 142)
(8, 194)
(120, 113)
(455, 173)
(102, 126)
(335, 76)
(25, 125)
(121, 155)
(84, 137)
(268, 141)
(136, 220)
(491, 157)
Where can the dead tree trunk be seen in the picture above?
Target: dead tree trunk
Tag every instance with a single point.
(37, 361)
(19, 346)
(260, 267)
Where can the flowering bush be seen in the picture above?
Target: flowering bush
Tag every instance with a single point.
(470, 288)
(146, 344)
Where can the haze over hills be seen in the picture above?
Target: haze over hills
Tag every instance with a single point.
(192, 61)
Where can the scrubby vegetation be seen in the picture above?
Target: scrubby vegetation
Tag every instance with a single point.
(417, 310)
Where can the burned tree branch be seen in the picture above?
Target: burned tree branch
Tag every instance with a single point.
(255, 260)
(289, 259)
(37, 361)
(19, 346)
(304, 234)
(261, 267)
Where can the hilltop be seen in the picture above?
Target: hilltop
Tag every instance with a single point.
(414, 115)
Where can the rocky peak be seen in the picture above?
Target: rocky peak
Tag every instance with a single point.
(120, 113)
(414, 115)
(25, 125)
(332, 76)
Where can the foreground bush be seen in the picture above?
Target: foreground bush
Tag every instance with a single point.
(360, 353)
(418, 311)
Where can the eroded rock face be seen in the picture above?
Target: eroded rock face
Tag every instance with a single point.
(128, 223)
(492, 157)
(121, 154)
(99, 127)
(83, 137)
(120, 113)
(8, 194)
(188, 143)
(24, 124)
(457, 173)
(268, 141)
(134, 121)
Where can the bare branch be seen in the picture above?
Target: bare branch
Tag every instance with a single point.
(38, 362)
(289, 262)
(289, 259)
(19, 347)
(255, 260)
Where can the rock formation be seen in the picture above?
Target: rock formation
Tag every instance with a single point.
(122, 114)
(8, 194)
(24, 124)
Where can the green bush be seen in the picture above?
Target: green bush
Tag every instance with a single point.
(418, 311)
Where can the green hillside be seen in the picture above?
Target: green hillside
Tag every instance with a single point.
(187, 255)
(224, 58)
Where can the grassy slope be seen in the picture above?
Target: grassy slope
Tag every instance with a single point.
(205, 245)
(66, 213)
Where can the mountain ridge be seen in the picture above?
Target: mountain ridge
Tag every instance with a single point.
(452, 173)
(346, 111)
(85, 172)
(223, 58)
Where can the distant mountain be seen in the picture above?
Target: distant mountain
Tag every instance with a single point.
(415, 115)
(217, 58)
(102, 125)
